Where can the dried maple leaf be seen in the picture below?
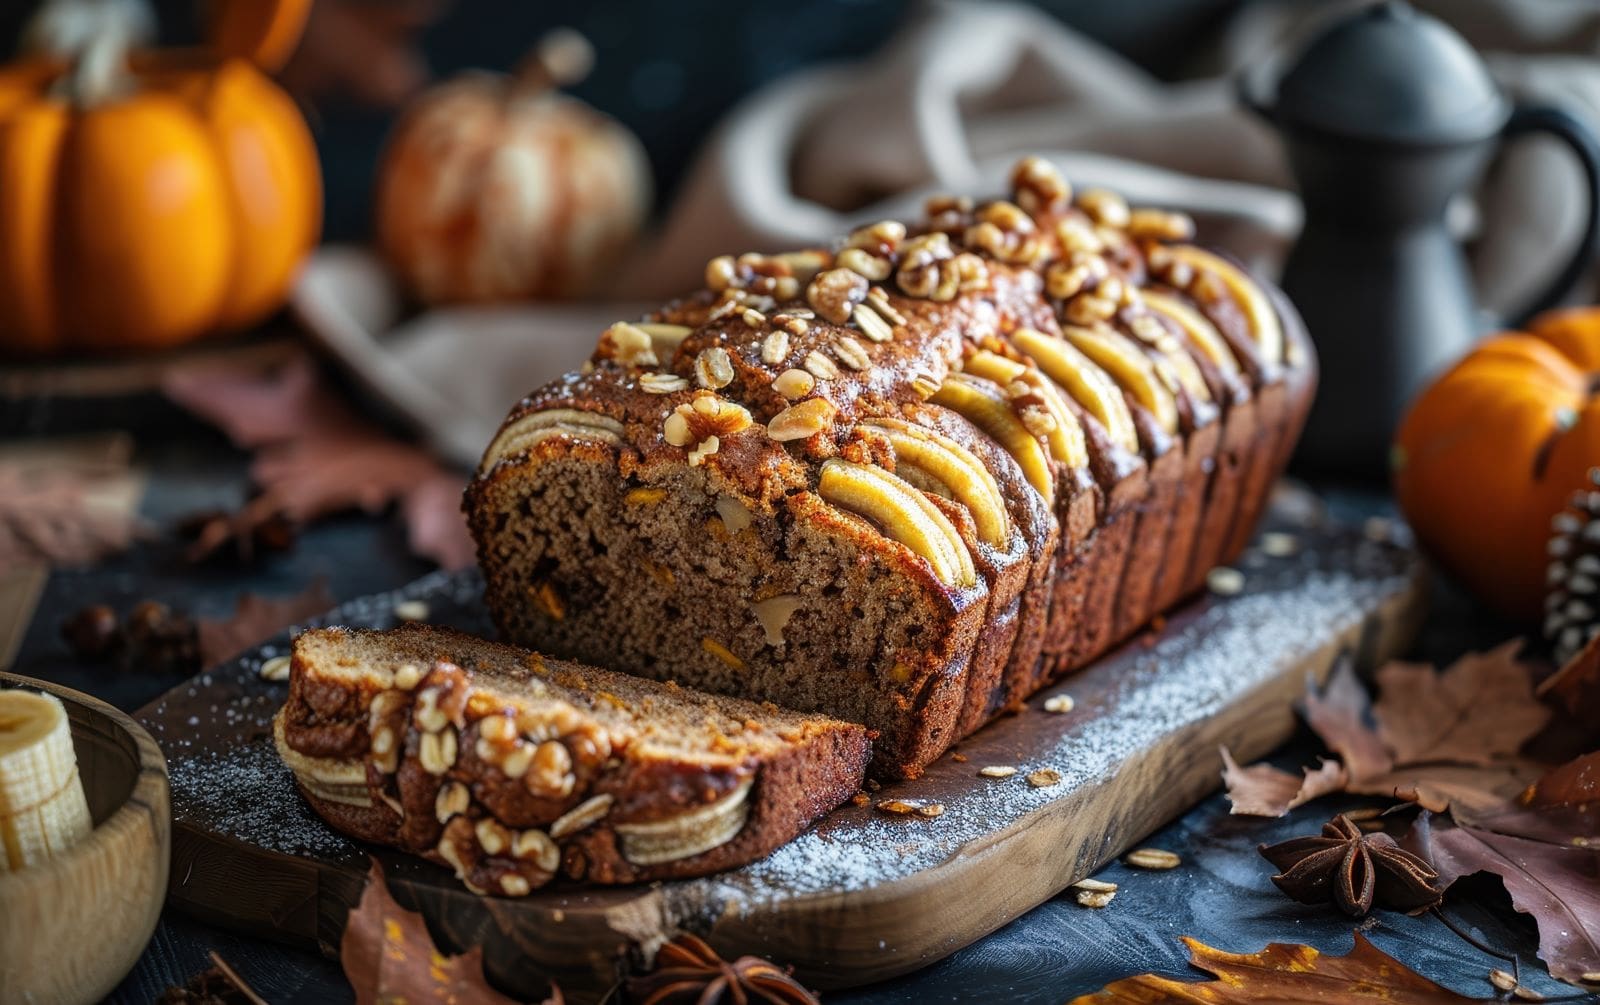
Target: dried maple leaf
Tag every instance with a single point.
(1265, 791)
(1339, 715)
(256, 619)
(1283, 974)
(1576, 686)
(67, 504)
(1558, 886)
(388, 956)
(1444, 740)
(1562, 807)
(315, 457)
(1480, 710)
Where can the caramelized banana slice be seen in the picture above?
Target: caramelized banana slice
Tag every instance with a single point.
(1062, 432)
(984, 404)
(1173, 362)
(1089, 385)
(954, 467)
(1264, 327)
(1135, 371)
(1202, 333)
(530, 429)
(904, 513)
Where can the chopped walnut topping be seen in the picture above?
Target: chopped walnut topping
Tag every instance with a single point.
(705, 448)
(881, 238)
(801, 420)
(919, 265)
(662, 383)
(706, 416)
(834, 293)
(721, 273)
(628, 345)
(1039, 187)
(794, 383)
(820, 366)
(1005, 232)
(755, 280)
(1160, 225)
(713, 368)
(1077, 236)
(948, 213)
(865, 264)
(1064, 280)
(1088, 310)
(453, 800)
(1105, 207)
(930, 270)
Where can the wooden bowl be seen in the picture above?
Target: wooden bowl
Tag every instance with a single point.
(72, 927)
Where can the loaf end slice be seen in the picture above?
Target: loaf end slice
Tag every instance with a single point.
(514, 769)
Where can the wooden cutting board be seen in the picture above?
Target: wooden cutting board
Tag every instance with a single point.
(865, 895)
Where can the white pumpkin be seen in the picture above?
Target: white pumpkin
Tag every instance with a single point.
(496, 187)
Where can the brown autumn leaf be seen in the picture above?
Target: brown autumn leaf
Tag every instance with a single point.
(1559, 886)
(388, 956)
(1339, 714)
(1432, 746)
(67, 503)
(1480, 710)
(256, 619)
(1575, 783)
(315, 457)
(1265, 791)
(1562, 807)
(1576, 686)
(1283, 974)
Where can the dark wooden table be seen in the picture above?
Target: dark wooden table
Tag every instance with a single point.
(1221, 894)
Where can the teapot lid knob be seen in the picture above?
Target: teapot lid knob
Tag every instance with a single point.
(1391, 74)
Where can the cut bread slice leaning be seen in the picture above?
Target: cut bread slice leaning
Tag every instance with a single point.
(511, 768)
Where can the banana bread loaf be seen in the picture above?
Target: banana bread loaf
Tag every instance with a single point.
(511, 768)
(905, 482)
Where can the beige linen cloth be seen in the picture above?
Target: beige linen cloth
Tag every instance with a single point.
(948, 104)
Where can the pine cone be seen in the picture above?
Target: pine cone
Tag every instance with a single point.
(1573, 578)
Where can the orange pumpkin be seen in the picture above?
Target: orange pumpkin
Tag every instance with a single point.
(1495, 448)
(499, 188)
(146, 201)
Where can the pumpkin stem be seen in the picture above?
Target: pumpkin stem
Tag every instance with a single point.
(98, 75)
(560, 59)
(95, 35)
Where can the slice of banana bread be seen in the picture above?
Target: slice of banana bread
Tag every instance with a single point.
(513, 769)
(907, 481)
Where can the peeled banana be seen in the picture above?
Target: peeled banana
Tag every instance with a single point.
(42, 807)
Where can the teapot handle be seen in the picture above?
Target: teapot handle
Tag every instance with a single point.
(1572, 131)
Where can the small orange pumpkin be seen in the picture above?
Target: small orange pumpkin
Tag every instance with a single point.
(147, 200)
(498, 187)
(1495, 448)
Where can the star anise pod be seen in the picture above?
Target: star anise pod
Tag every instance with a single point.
(1354, 870)
(689, 972)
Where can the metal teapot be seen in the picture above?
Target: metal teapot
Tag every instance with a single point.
(1387, 116)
